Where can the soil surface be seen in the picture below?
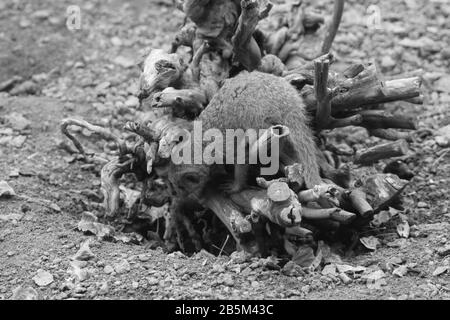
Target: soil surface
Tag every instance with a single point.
(90, 73)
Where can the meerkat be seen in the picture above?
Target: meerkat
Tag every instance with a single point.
(256, 100)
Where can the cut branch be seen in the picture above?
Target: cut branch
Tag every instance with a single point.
(246, 50)
(359, 202)
(393, 90)
(323, 97)
(380, 119)
(383, 151)
(336, 214)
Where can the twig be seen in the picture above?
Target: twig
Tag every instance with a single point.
(333, 28)
(103, 132)
(224, 244)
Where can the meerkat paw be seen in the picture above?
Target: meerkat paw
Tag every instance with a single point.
(249, 4)
(230, 187)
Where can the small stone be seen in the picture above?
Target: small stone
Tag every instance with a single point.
(152, 281)
(24, 23)
(41, 14)
(25, 293)
(80, 289)
(116, 41)
(388, 63)
(144, 257)
(442, 141)
(422, 204)
(240, 257)
(56, 21)
(26, 88)
(108, 269)
(344, 278)
(18, 141)
(17, 121)
(135, 284)
(228, 281)
(132, 102)
(76, 269)
(84, 253)
(443, 251)
(41, 77)
(124, 62)
(329, 269)
(440, 270)
(14, 173)
(305, 289)
(122, 267)
(14, 217)
(400, 271)
(443, 136)
(373, 276)
(104, 288)
(443, 84)
(43, 278)
(5, 190)
(445, 53)
(102, 86)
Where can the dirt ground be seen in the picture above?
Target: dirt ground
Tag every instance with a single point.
(90, 73)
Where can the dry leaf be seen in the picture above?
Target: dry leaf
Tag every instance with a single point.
(370, 243)
(403, 229)
(304, 256)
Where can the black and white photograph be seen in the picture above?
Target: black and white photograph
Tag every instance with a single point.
(244, 152)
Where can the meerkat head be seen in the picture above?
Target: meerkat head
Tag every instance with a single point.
(160, 70)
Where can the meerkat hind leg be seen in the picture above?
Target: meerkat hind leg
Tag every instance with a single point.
(239, 182)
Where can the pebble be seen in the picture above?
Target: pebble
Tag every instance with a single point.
(422, 204)
(440, 270)
(6, 190)
(400, 271)
(43, 278)
(18, 141)
(14, 173)
(116, 41)
(122, 267)
(388, 63)
(26, 88)
(443, 84)
(443, 137)
(228, 280)
(329, 269)
(144, 257)
(24, 23)
(84, 253)
(17, 121)
(443, 251)
(132, 102)
(124, 62)
(108, 269)
(344, 278)
(373, 276)
(152, 281)
(41, 14)
(24, 293)
(104, 288)
(78, 272)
